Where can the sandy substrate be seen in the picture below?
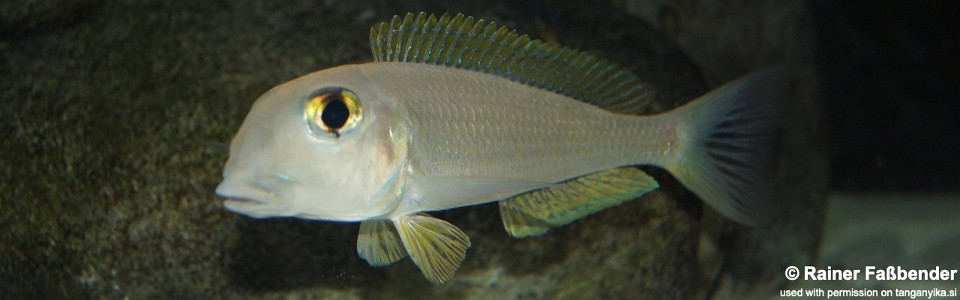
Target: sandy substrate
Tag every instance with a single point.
(913, 231)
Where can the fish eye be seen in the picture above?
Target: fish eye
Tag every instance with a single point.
(332, 110)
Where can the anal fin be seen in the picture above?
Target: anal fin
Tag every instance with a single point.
(435, 246)
(535, 212)
(379, 244)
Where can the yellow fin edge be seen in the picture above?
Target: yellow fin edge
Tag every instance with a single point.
(379, 244)
(479, 45)
(534, 213)
(435, 246)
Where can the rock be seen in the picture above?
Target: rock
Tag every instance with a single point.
(18, 18)
(115, 129)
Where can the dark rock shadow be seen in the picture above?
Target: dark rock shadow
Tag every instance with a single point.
(287, 254)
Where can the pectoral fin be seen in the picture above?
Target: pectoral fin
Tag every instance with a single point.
(436, 246)
(379, 244)
(535, 212)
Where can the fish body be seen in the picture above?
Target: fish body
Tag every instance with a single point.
(433, 125)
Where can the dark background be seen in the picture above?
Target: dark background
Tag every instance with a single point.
(115, 114)
(891, 85)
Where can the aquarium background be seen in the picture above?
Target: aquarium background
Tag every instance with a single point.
(116, 117)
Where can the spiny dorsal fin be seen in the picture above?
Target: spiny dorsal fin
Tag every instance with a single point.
(478, 45)
(437, 247)
(379, 244)
(535, 212)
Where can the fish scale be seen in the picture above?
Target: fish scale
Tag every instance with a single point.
(528, 145)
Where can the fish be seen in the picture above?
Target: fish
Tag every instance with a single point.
(455, 111)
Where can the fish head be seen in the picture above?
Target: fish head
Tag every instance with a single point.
(327, 146)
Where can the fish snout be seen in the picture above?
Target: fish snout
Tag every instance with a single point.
(258, 197)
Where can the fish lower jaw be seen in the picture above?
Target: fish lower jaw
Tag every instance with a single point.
(250, 207)
(240, 202)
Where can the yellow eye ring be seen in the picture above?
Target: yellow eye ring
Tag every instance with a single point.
(332, 110)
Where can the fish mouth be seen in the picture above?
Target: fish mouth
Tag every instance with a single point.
(235, 201)
(245, 199)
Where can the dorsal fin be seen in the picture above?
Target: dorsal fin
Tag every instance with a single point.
(477, 45)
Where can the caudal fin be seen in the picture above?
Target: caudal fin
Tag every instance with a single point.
(727, 144)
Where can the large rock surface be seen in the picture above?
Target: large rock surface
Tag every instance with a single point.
(115, 119)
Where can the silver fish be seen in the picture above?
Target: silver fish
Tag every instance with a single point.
(455, 111)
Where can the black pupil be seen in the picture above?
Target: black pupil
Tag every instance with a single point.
(335, 114)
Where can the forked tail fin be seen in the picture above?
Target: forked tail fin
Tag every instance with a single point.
(727, 142)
